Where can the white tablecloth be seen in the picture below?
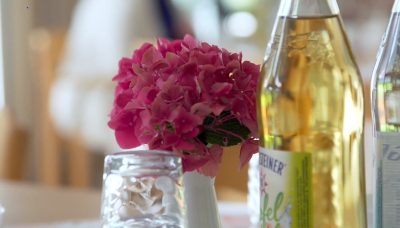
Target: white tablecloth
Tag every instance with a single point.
(233, 215)
(30, 206)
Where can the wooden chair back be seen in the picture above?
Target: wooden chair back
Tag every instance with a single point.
(47, 48)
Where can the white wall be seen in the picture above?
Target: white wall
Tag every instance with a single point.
(19, 78)
(2, 93)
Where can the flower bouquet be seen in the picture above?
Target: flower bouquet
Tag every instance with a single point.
(190, 98)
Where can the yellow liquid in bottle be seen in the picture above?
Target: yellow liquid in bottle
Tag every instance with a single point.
(310, 99)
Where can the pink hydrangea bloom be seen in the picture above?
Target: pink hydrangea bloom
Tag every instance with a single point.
(187, 97)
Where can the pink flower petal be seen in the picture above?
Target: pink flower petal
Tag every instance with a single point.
(209, 68)
(122, 121)
(163, 41)
(124, 125)
(221, 89)
(145, 138)
(242, 81)
(137, 69)
(160, 83)
(205, 46)
(188, 99)
(188, 80)
(126, 138)
(118, 90)
(188, 69)
(170, 140)
(155, 143)
(144, 94)
(239, 108)
(166, 85)
(173, 60)
(159, 65)
(176, 93)
(186, 121)
(175, 46)
(210, 169)
(201, 109)
(218, 62)
(183, 54)
(192, 42)
(152, 94)
(134, 104)
(133, 83)
(162, 111)
(249, 148)
(191, 134)
(125, 72)
(114, 112)
(250, 68)
(215, 48)
(184, 145)
(144, 80)
(233, 65)
(138, 54)
(125, 64)
(226, 57)
(202, 58)
(121, 77)
(125, 85)
(145, 115)
(252, 126)
(216, 152)
(191, 164)
(162, 45)
(124, 98)
(218, 109)
(151, 56)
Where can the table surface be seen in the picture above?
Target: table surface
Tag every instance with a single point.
(33, 206)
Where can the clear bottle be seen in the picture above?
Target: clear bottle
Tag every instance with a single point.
(385, 105)
(311, 115)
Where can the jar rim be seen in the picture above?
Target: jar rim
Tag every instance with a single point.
(140, 159)
(144, 152)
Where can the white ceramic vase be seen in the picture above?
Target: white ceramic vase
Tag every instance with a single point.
(201, 201)
(253, 198)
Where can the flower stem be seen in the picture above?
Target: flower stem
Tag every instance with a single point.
(215, 118)
(226, 118)
(228, 132)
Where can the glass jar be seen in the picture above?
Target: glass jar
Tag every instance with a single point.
(143, 189)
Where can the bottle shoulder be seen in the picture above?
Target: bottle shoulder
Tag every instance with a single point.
(312, 47)
(388, 56)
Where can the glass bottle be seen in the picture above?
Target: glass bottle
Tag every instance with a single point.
(385, 105)
(311, 115)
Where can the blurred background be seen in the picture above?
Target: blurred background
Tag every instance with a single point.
(59, 56)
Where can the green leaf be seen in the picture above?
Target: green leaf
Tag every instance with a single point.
(211, 136)
(170, 127)
(208, 121)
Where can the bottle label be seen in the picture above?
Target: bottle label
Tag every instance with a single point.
(286, 189)
(386, 162)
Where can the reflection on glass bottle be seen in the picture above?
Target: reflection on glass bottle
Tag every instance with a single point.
(386, 117)
(311, 114)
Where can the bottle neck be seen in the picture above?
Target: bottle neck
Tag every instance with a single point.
(308, 8)
(396, 7)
